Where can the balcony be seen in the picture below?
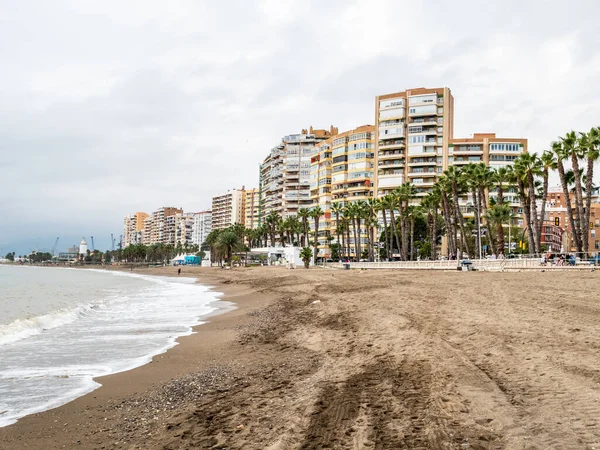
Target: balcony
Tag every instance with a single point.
(414, 174)
(391, 144)
(391, 154)
(421, 162)
(391, 164)
(469, 149)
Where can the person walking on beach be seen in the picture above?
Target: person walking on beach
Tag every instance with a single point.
(179, 271)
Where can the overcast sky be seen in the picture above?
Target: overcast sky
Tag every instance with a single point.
(110, 107)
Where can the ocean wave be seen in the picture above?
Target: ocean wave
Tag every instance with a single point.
(24, 328)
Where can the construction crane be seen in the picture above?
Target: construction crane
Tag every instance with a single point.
(112, 240)
(92, 238)
(54, 247)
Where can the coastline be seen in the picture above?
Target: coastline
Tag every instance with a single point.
(314, 359)
(64, 423)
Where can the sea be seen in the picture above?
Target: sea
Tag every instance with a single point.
(61, 327)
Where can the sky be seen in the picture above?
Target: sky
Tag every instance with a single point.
(111, 107)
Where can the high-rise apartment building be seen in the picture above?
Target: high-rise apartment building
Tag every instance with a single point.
(133, 229)
(228, 209)
(285, 173)
(413, 130)
(342, 172)
(159, 227)
(184, 226)
(271, 182)
(252, 208)
(202, 227)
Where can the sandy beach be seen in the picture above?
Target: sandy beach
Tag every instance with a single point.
(315, 359)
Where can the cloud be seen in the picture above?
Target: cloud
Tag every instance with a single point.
(111, 107)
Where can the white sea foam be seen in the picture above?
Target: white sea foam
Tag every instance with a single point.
(24, 328)
(52, 358)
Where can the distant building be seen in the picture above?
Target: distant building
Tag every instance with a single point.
(252, 208)
(228, 209)
(83, 248)
(201, 227)
(184, 227)
(556, 213)
(285, 173)
(133, 229)
(342, 172)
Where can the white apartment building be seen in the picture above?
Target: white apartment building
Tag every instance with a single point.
(285, 173)
(201, 227)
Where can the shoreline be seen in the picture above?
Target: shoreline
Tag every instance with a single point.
(231, 305)
(315, 359)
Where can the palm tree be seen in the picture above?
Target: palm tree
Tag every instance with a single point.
(575, 147)
(229, 242)
(316, 213)
(532, 166)
(390, 202)
(381, 206)
(306, 255)
(430, 204)
(499, 178)
(496, 216)
(337, 209)
(413, 211)
(304, 215)
(519, 177)
(561, 155)
(593, 153)
(456, 184)
(548, 162)
(346, 221)
(444, 186)
(371, 223)
(469, 178)
(406, 192)
(271, 222)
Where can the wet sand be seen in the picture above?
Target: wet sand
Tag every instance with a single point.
(357, 359)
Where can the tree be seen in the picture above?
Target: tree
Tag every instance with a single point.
(271, 222)
(316, 214)
(592, 154)
(10, 256)
(337, 209)
(548, 162)
(575, 146)
(497, 216)
(456, 185)
(561, 155)
(306, 255)
(229, 242)
(304, 215)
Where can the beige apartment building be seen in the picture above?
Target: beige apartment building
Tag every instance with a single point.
(413, 130)
(342, 172)
(285, 173)
(133, 229)
(252, 208)
(159, 227)
(228, 209)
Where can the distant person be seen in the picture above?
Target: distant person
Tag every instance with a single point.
(179, 271)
